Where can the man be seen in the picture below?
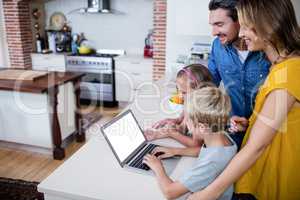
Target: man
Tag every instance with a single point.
(241, 71)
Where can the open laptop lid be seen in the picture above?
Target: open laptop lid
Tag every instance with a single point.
(124, 136)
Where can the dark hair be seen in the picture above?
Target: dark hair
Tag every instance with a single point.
(228, 5)
(197, 74)
(279, 26)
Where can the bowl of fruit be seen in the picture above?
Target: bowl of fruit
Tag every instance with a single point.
(176, 103)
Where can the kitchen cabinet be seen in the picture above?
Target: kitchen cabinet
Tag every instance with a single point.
(133, 73)
(48, 62)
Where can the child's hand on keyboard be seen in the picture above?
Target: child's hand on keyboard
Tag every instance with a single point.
(163, 152)
(154, 163)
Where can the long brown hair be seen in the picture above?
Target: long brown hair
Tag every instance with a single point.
(274, 21)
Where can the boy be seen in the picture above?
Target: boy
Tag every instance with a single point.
(207, 113)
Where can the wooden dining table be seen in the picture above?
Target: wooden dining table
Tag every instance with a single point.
(48, 85)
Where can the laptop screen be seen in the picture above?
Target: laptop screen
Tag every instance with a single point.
(124, 135)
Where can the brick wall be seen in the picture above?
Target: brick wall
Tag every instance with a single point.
(18, 32)
(159, 25)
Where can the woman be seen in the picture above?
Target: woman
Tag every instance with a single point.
(267, 165)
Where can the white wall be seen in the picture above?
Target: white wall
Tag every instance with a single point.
(187, 22)
(126, 30)
(3, 44)
(296, 4)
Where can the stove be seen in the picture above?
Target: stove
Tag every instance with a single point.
(98, 85)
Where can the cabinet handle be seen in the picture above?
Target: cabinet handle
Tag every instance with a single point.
(136, 74)
(135, 62)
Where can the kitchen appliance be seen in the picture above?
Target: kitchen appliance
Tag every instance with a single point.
(63, 41)
(98, 84)
(59, 34)
(101, 6)
(201, 50)
(59, 41)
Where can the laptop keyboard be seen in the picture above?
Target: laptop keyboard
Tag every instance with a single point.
(138, 161)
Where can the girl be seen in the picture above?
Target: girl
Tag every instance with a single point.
(189, 78)
(267, 165)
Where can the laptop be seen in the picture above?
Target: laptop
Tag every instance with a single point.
(129, 145)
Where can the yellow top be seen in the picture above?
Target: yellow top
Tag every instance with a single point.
(276, 174)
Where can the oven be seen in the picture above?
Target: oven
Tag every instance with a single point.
(98, 84)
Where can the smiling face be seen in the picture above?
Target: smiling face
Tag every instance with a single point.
(223, 26)
(253, 42)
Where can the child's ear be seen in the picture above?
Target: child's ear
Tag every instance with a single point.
(201, 127)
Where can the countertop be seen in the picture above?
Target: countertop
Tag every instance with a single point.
(41, 85)
(133, 58)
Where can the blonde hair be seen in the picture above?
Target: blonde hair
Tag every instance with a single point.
(209, 106)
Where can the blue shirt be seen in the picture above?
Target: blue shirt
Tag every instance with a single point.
(241, 80)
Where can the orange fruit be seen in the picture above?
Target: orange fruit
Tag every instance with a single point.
(177, 99)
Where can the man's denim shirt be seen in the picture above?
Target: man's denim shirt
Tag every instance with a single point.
(241, 80)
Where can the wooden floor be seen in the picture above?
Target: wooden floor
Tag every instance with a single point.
(30, 166)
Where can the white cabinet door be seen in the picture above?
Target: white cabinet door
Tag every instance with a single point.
(191, 17)
(131, 73)
(124, 86)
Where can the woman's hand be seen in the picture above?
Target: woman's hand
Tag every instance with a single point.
(154, 163)
(165, 152)
(238, 124)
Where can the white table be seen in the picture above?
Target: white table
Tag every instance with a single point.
(93, 172)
